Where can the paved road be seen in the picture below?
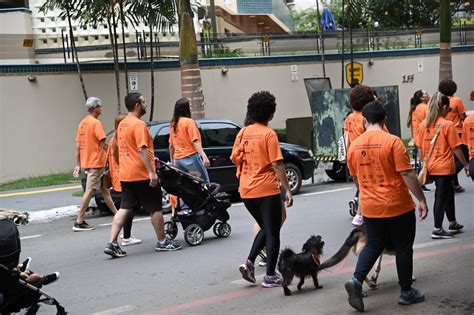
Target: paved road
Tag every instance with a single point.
(205, 279)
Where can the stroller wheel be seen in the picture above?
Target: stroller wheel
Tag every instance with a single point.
(225, 229)
(171, 230)
(353, 207)
(194, 234)
(215, 229)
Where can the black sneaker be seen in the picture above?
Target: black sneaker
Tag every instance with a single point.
(82, 227)
(424, 188)
(410, 297)
(455, 228)
(114, 250)
(441, 234)
(50, 278)
(354, 293)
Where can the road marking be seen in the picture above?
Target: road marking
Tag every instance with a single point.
(135, 220)
(32, 192)
(326, 191)
(117, 310)
(254, 290)
(435, 243)
(29, 237)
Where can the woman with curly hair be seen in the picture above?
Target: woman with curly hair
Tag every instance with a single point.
(260, 170)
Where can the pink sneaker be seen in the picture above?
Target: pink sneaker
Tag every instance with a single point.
(248, 271)
(358, 220)
(272, 281)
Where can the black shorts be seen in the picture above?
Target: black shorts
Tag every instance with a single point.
(136, 193)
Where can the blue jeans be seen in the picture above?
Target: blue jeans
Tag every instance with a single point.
(194, 165)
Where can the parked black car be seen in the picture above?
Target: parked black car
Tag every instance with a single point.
(217, 139)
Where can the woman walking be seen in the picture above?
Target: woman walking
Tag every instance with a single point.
(260, 170)
(441, 165)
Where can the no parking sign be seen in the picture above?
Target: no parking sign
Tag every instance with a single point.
(133, 79)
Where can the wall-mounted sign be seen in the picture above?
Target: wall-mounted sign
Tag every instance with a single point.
(133, 79)
(358, 71)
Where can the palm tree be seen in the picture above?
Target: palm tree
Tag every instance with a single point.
(191, 87)
(67, 7)
(445, 60)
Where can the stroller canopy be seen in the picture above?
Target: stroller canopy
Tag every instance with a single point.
(9, 240)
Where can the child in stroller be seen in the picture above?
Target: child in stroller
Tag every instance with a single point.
(204, 200)
(19, 286)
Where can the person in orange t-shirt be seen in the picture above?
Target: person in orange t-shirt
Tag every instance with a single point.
(441, 166)
(354, 127)
(260, 169)
(138, 177)
(417, 113)
(381, 168)
(468, 140)
(186, 150)
(91, 155)
(457, 114)
(113, 158)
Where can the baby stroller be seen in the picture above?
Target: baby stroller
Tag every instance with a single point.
(205, 203)
(15, 292)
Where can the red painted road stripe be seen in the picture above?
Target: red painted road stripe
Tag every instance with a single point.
(245, 292)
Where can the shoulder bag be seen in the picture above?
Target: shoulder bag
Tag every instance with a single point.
(423, 177)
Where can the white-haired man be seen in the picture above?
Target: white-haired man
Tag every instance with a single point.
(91, 155)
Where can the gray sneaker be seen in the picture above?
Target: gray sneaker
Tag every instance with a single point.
(354, 293)
(441, 234)
(168, 245)
(410, 297)
(82, 227)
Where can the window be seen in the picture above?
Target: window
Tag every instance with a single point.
(45, 41)
(219, 134)
(43, 30)
(161, 140)
(55, 40)
(42, 20)
(96, 37)
(53, 30)
(86, 37)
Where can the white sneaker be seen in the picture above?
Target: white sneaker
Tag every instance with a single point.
(358, 220)
(130, 241)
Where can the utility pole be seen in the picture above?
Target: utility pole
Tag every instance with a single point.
(212, 15)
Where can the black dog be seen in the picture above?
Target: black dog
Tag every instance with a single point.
(301, 265)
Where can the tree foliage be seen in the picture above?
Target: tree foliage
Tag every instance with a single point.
(385, 13)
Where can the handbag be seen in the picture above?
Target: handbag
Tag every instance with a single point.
(239, 156)
(423, 177)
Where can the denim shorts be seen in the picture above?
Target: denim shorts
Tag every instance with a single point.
(194, 165)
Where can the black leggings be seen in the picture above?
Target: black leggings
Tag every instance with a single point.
(444, 200)
(127, 227)
(397, 233)
(267, 212)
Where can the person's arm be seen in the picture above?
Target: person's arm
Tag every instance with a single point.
(197, 145)
(104, 145)
(410, 179)
(77, 168)
(171, 147)
(279, 168)
(459, 154)
(145, 157)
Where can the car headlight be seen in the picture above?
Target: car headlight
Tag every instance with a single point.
(310, 153)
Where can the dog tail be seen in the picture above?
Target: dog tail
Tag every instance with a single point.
(350, 241)
(286, 253)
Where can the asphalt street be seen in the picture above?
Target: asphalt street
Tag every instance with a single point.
(205, 279)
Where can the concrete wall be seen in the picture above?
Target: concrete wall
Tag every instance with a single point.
(38, 120)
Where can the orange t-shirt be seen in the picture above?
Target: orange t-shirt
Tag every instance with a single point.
(418, 115)
(457, 110)
(132, 135)
(113, 167)
(354, 126)
(442, 158)
(376, 158)
(261, 148)
(468, 135)
(182, 140)
(90, 133)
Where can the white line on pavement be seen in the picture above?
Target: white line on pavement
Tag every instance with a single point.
(29, 237)
(326, 191)
(117, 310)
(434, 243)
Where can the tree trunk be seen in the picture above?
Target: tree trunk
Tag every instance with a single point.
(191, 87)
(113, 41)
(152, 67)
(122, 20)
(74, 51)
(445, 60)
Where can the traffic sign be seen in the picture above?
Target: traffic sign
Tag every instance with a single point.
(358, 71)
(133, 79)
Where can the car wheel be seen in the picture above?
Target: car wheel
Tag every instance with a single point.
(338, 172)
(295, 179)
(102, 205)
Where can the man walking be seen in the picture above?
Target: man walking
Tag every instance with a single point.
(91, 154)
(138, 177)
(381, 168)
